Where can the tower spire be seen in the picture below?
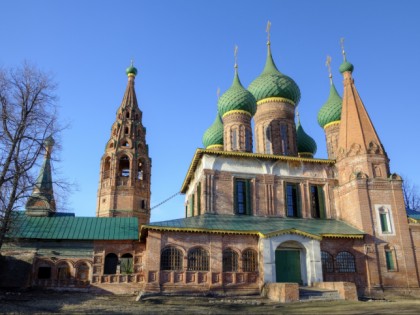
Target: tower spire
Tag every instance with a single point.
(41, 202)
(124, 187)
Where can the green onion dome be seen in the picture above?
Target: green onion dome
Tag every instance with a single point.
(214, 134)
(346, 66)
(331, 110)
(305, 144)
(237, 98)
(131, 70)
(272, 83)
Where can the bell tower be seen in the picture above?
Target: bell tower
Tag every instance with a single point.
(125, 170)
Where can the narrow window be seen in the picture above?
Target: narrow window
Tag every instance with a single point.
(199, 199)
(384, 218)
(248, 140)
(126, 130)
(317, 202)
(230, 260)
(242, 196)
(126, 264)
(344, 262)
(249, 261)
(198, 259)
(111, 262)
(292, 200)
(390, 258)
(143, 204)
(327, 262)
(268, 145)
(107, 167)
(44, 272)
(284, 139)
(140, 171)
(234, 139)
(171, 259)
(127, 115)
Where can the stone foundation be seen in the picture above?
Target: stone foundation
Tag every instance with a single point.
(346, 290)
(281, 292)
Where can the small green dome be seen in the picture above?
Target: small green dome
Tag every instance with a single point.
(49, 142)
(305, 143)
(331, 110)
(131, 70)
(214, 134)
(237, 98)
(346, 66)
(272, 83)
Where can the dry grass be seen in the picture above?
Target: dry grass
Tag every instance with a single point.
(42, 302)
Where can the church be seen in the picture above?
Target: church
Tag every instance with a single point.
(260, 208)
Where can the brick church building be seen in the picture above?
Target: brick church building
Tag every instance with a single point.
(260, 208)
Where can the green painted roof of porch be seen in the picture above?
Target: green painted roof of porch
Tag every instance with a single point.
(263, 226)
(72, 228)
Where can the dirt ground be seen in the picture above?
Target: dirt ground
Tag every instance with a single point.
(45, 302)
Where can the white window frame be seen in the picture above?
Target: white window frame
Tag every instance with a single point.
(383, 208)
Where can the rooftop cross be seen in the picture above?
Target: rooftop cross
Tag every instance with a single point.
(328, 64)
(268, 32)
(342, 49)
(235, 53)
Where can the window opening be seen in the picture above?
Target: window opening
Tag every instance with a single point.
(171, 259)
(126, 264)
(82, 272)
(124, 166)
(234, 139)
(249, 261)
(198, 199)
(390, 258)
(284, 139)
(140, 171)
(242, 196)
(292, 200)
(248, 140)
(317, 202)
(107, 167)
(127, 115)
(344, 262)
(126, 130)
(230, 260)
(63, 272)
(198, 260)
(268, 146)
(327, 262)
(44, 272)
(111, 262)
(385, 220)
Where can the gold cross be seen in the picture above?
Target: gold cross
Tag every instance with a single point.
(268, 31)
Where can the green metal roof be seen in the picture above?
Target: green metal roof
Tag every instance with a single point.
(263, 226)
(73, 228)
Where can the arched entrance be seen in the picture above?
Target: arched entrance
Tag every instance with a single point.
(289, 256)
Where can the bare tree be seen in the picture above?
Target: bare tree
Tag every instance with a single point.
(28, 117)
(411, 195)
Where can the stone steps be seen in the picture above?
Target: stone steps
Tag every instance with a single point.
(311, 294)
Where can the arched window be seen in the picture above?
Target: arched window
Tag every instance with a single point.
(126, 144)
(198, 259)
(44, 272)
(63, 271)
(284, 139)
(111, 145)
(230, 260)
(327, 262)
(111, 262)
(267, 134)
(124, 166)
(126, 264)
(234, 139)
(344, 262)
(171, 259)
(82, 272)
(390, 258)
(140, 171)
(107, 167)
(249, 260)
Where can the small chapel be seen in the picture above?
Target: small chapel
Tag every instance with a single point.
(260, 208)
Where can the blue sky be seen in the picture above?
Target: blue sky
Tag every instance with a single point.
(184, 52)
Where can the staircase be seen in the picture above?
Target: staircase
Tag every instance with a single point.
(317, 294)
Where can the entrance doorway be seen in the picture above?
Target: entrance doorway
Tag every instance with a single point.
(288, 265)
